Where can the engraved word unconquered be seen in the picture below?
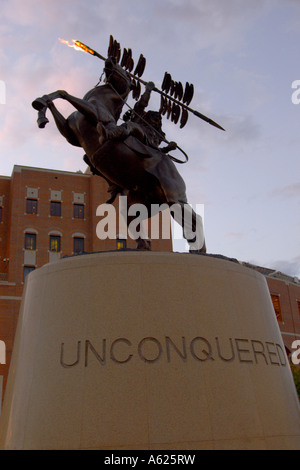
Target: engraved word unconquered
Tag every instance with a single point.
(151, 350)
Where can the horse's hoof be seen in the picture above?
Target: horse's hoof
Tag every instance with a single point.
(42, 121)
(143, 245)
(39, 104)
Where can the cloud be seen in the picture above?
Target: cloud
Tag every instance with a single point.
(291, 267)
(220, 25)
(241, 128)
(290, 191)
(235, 235)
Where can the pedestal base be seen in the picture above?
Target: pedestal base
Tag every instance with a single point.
(130, 350)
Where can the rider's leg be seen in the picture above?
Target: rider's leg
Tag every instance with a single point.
(110, 131)
(113, 132)
(135, 129)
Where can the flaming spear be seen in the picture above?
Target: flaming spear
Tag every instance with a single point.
(174, 111)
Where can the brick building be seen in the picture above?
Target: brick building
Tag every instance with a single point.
(285, 295)
(46, 214)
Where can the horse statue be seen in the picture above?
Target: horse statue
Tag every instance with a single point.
(146, 175)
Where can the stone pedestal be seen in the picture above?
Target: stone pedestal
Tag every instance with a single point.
(131, 350)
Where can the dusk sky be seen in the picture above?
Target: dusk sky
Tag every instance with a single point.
(242, 57)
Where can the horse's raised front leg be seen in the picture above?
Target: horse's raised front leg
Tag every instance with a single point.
(62, 125)
(84, 107)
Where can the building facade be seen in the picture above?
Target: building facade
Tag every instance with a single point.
(285, 295)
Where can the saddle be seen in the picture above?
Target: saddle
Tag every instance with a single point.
(143, 150)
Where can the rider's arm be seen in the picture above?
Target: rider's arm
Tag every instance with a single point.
(169, 147)
(143, 102)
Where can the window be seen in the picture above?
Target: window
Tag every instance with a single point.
(31, 206)
(55, 208)
(54, 243)
(121, 244)
(0, 214)
(298, 303)
(27, 270)
(78, 245)
(78, 211)
(30, 241)
(276, 304)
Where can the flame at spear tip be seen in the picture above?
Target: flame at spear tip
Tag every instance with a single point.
(79, 46)
(74, 46)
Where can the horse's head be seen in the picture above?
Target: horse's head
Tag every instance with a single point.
(117, 77)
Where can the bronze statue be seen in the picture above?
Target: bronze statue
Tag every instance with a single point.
(128, 156)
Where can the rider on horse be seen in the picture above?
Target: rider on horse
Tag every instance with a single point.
(146, 126)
